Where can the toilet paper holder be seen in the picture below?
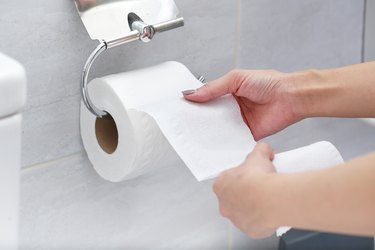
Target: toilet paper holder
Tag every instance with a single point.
(105, 20)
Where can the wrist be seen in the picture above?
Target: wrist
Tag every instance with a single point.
(271, 200)
(279, 204)
(309, 90)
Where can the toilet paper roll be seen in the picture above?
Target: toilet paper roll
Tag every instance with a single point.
(150, 123)
(148, 114)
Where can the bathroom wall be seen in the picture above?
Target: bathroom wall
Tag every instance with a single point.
(294, 35)
(64, 202)
(369, 29)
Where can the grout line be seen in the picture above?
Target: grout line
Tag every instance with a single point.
(364, 31)
(237, 34)
(50, 162)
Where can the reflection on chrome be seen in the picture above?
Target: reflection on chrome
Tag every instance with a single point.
(108, 19)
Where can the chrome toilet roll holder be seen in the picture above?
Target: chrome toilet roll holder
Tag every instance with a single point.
(105, 21)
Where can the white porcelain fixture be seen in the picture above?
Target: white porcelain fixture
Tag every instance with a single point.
(12, 99)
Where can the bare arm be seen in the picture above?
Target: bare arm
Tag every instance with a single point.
(271, 100)
(338, 199)
(255, 198)
(341, 92)
(342, 198)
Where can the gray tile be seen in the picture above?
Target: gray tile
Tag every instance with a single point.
(369, 36)
(290, 35)
(50, 40)
(66, 205)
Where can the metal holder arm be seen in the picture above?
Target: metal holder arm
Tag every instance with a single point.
(140, 31)
(85, 73)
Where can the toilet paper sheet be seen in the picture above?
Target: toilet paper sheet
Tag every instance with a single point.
(154, 123)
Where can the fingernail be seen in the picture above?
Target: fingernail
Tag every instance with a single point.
(188, 92)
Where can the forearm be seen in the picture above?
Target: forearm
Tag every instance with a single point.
(341, 92)
(337, 199)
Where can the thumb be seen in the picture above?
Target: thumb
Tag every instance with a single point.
(264, 150)
(214, 89)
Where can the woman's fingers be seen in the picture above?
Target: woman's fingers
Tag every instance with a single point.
(214, 89)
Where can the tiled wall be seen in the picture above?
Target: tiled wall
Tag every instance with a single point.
(50, 40)
(291, 35)
(369, 36)
(64, 202)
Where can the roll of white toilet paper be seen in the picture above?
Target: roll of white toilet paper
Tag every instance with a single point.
(208, 137)
(150, 122)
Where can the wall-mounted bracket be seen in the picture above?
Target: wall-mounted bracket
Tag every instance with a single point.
(116, 22)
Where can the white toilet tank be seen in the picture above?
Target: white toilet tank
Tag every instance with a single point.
(12, 99)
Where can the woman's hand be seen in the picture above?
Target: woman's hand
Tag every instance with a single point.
(252, 196)
(264, 96)
(239, 191)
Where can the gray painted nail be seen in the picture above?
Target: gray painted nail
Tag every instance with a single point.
(188, 92)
